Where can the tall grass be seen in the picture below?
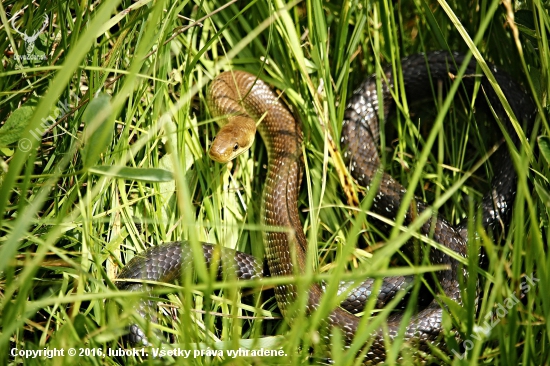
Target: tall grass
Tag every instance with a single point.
(66, 230)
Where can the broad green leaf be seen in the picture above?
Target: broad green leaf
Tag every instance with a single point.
(11, 131)
(544, 146)
(543, 194)
(141, 174)
(99, 129)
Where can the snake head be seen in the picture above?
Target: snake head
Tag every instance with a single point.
(233, 139)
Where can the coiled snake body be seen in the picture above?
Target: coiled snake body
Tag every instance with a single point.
(244, 100)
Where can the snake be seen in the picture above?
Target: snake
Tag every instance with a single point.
(241, 99)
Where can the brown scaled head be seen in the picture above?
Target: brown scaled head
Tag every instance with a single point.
(233, 139)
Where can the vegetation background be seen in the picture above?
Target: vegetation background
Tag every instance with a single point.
(69, 222)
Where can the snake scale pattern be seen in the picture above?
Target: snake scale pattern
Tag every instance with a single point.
(243, 100)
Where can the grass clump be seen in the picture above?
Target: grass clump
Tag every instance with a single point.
(70, 221)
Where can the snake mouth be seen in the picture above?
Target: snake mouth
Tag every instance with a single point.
(217, 156)
(224, 156)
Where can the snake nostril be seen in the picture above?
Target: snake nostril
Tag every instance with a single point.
(236, 147)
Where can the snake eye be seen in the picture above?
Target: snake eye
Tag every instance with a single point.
(236, 147)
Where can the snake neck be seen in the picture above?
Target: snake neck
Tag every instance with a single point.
(243, 95)
(284, 237)
(285, 242)
(286, 246)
